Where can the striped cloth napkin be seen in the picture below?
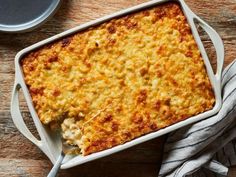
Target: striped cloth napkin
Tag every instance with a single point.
(206, 148)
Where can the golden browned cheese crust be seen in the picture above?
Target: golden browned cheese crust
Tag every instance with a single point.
(119, 80)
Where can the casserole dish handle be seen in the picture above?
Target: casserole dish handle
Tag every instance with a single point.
(18, 118)
(218, 44)
(216, 40)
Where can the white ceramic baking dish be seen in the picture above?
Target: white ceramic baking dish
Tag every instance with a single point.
(50, 143)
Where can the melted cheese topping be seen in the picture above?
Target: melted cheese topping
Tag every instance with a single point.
(119, 80)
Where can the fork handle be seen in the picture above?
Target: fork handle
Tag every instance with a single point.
(56, 166)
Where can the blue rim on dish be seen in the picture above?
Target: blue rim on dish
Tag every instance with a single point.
(25, 15)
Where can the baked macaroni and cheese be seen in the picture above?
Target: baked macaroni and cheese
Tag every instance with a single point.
(121, 79)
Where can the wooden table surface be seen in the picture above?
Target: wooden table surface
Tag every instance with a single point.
(20, 158)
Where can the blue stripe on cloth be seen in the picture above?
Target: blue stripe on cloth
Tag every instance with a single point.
(177, 172)
(229, 80)
(227, 69)
(229, 94)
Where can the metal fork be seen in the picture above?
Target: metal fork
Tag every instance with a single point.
(66, 149)
(57, 165)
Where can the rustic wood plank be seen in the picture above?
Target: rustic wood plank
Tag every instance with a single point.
(19, 157)
(232, 172)
(32, 168)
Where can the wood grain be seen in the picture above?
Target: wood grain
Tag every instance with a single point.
(20, 158)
